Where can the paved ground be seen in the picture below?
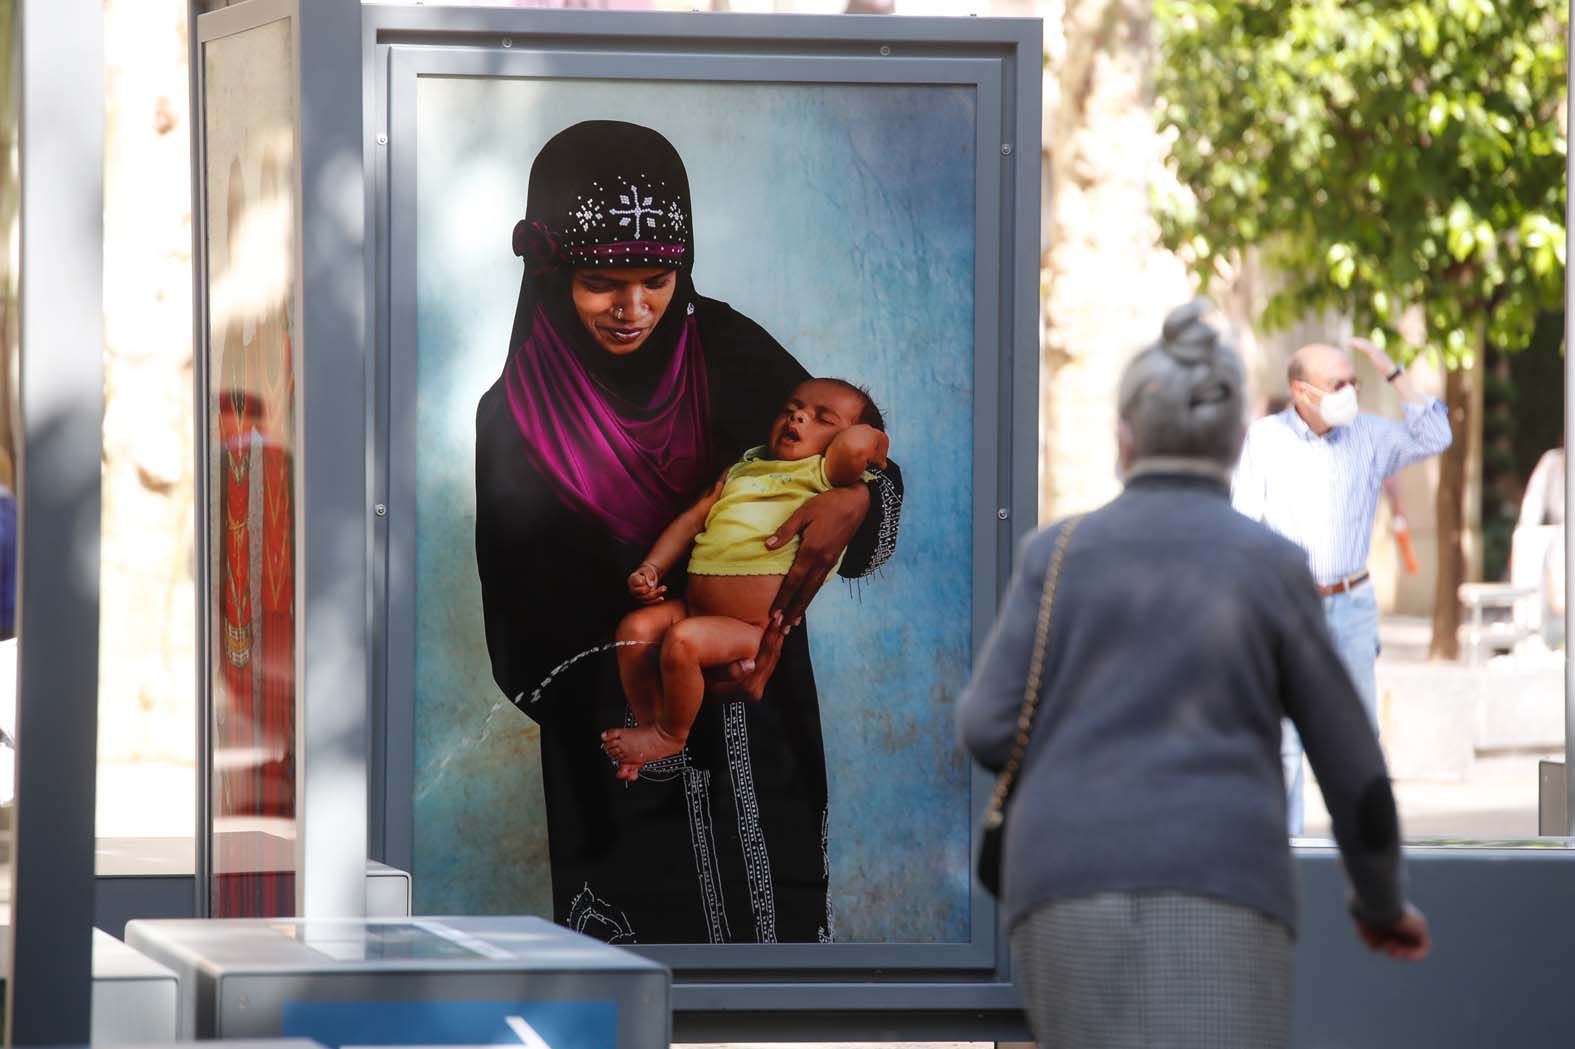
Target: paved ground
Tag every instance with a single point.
(1497, 798)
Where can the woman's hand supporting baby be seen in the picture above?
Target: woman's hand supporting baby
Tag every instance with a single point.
(825, 524)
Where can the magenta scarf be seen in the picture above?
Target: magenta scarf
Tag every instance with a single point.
(630, 473)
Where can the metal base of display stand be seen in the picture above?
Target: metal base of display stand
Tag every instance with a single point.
(427, 981)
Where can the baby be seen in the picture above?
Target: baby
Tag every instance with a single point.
(827, 435)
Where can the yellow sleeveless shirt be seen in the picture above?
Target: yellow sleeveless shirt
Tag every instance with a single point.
(758, 496)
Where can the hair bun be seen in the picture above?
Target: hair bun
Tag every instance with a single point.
(1187, 337)
(1209, 393)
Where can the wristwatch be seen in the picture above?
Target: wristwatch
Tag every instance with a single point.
(1392, 376)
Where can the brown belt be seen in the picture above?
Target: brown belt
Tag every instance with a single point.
(1348, 583)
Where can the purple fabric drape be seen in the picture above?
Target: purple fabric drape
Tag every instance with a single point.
(631, 472)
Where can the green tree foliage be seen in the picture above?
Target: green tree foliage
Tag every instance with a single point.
(1380, 155)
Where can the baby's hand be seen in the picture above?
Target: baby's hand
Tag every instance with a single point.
(645, 583)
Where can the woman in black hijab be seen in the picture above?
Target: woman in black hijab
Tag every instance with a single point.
(624, 395)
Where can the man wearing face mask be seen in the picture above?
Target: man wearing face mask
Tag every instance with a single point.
(1314, 473)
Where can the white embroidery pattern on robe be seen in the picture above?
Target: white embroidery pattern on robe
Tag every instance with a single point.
(757, 863)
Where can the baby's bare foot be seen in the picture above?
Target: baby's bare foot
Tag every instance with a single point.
(633, 747)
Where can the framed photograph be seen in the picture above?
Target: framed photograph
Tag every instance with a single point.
(249, 220)
(674, 343)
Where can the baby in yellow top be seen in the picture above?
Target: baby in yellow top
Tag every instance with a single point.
(828, 434)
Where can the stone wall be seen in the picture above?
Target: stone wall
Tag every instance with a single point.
(1106, 285)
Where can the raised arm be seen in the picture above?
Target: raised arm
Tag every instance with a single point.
(1425, 431)
(853, 451)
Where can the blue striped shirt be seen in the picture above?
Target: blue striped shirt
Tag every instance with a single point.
(1322, 492)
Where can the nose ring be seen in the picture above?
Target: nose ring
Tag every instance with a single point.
(617, 312)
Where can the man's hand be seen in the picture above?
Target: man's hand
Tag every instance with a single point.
(825, 526)
(645, 584)
(1404, 388)
(1380, 359)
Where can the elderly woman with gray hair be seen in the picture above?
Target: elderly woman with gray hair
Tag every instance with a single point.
(1147, 879)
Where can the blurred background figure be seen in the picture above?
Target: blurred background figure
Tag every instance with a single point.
(1536, 557)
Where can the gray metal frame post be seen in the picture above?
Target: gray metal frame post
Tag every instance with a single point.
(61, 408)
(1569, 442)
(332, 511)
(202, 843)
(334, 636)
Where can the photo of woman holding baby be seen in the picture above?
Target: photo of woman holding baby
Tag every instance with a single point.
(625, 400)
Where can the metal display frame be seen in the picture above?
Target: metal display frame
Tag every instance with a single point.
(1001, 60)
(1569, 423)
(331, 623)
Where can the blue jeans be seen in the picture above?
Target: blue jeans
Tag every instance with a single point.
(1353, 623)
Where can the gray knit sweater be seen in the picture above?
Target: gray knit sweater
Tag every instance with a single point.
(1182, 633)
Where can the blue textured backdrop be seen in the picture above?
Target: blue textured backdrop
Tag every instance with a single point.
(840, 218)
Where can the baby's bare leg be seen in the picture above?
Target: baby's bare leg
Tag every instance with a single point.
(690, 646)
(639, 664)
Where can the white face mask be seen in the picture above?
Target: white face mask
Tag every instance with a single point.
(1339, 408)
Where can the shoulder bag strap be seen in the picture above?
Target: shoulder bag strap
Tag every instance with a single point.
(995, 813)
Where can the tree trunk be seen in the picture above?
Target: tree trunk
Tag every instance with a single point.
(1106, 285)
(1451, 509)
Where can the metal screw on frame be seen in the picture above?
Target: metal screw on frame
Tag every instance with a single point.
(380, 510)
(1006, 149)
(1003, 513)
(382, 139)
(508, 41)
(885, 49)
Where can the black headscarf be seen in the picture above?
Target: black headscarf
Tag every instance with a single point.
(605, 194)
(624, 439)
